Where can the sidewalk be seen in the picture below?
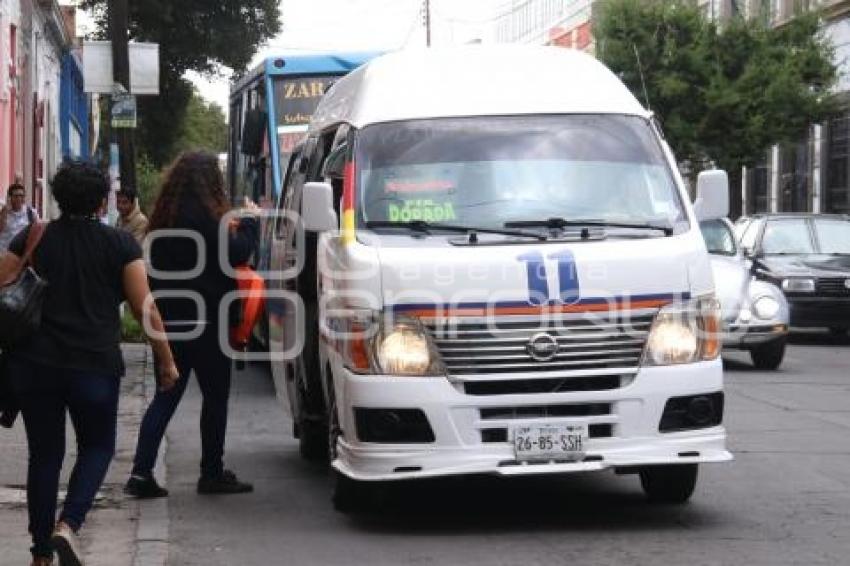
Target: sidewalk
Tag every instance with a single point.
(116, 524)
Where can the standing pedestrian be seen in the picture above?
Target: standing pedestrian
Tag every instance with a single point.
(130, 216)
(193, 199)
(15, 215)
(73, 363)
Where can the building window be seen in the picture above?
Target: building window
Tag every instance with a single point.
(758, 188)
(794, 178)
(837, 191)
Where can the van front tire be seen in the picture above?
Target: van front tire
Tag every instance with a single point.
(353, 496)
(669, 484)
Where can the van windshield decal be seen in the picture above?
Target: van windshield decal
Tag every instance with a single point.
(495, 170)
(421, 209)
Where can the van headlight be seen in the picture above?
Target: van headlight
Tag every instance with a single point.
(405, 348)
(372, 344)
(683, 333)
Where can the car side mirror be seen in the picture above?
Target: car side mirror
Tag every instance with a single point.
(317, 208)
(712, 200)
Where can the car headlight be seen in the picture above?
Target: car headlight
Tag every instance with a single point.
(684, 333)
(766, 307)
(371, 344)
(798, 285)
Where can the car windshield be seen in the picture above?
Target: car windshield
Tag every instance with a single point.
(833, 235)
(718, 237)
(787, 237)
(489, 171)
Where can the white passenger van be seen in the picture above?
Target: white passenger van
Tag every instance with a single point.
(503, 275)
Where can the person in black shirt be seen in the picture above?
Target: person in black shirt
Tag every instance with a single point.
(186, 273)
(73, 362)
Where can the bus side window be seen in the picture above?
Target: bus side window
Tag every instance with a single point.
(285, 196)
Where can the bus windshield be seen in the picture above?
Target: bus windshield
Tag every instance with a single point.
(295, 100)
(270, 111)
(491, 171)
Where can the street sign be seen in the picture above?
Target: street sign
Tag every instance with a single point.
(144, 67)
(123, 111)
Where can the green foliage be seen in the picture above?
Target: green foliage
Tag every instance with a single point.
(199, 35)
(147, 181)
(131, 330)
(724, 92)
(204, 127)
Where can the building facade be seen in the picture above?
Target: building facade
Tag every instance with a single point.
(40, 95)
(75, 106)
(565, 23)
(812, 175)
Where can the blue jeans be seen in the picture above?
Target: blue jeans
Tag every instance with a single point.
(212, 370)
(45, 394)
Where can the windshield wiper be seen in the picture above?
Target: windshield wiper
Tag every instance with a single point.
(562, 223)
(426, 228)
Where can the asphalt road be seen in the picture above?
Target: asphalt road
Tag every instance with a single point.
(785, 500)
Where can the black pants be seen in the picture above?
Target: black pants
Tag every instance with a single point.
(45, 394)
(212, 370)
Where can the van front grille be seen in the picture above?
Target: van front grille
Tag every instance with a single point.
(545, 411)
(515, 344)
(551, 385)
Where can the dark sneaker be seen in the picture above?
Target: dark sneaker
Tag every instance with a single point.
(226, 483)
(64, 541)
(144, 488)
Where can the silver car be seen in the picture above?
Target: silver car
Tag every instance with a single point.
(755, 312)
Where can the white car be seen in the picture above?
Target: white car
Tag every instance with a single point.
(755, 312)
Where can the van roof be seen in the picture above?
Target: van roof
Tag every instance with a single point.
(475, 80)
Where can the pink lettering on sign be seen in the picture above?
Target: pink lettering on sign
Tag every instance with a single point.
(418, 186)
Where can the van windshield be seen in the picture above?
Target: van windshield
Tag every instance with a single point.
(489, 171)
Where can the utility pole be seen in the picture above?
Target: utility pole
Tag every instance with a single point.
(118, 31)
(428, 23)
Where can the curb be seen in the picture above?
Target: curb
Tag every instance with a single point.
(152, 531)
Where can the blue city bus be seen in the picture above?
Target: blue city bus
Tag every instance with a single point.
(270, 109)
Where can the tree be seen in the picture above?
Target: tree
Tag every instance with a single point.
(724, 92)
(199, 35)
(204, 127)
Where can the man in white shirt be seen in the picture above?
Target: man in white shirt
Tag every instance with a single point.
(15, 215)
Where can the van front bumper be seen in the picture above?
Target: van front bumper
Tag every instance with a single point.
(630, 427)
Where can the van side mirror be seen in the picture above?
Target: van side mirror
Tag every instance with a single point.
(317, 208)
(712, 200)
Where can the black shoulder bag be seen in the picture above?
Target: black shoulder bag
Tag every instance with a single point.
(20, 316)
(21, 299)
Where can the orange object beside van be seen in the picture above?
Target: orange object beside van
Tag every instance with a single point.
(252, 289)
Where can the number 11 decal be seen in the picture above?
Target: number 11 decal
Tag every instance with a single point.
(538, 280)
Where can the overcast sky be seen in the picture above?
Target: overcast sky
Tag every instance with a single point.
(365, 25)
(361, 25)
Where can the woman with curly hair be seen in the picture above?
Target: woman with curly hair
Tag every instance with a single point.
(73, 363)
(185, 237)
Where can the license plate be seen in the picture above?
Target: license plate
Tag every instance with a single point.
(555, 442)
